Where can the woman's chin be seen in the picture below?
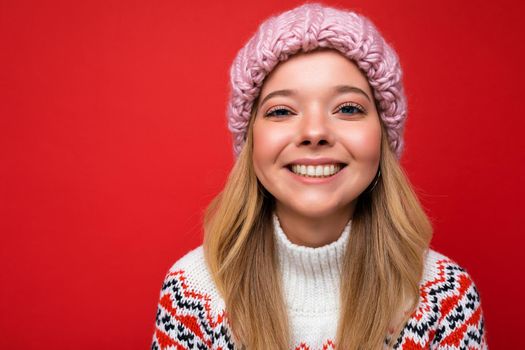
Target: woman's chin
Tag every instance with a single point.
(312, 210)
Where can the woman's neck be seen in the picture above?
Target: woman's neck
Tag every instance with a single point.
(310, 276)
(311, 231)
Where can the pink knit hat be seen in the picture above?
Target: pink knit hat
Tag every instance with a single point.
(304, 29)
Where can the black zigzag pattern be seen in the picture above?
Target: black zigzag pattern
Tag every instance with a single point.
(448, 316)
(184, 321)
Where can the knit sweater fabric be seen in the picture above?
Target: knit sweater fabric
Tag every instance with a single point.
(191, 313)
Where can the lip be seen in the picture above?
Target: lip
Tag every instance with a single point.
(315, 180)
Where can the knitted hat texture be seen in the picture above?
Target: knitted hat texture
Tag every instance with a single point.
(306, 28)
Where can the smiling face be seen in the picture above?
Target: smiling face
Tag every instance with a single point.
(316, 116)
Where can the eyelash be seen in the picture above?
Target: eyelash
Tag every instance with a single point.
(359, 108)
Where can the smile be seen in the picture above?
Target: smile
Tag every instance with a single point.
(325, 170)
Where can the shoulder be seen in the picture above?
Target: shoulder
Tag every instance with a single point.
(190, 311)
(444, 276)
(449, 306)
(193, 277)
(436, 263)
(446, 282)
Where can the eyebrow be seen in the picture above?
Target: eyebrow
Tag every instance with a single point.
(339, 89)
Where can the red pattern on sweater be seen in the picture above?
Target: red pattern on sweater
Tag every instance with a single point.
(442, 319)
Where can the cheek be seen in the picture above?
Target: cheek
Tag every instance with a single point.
(268, 141)
(363, 142)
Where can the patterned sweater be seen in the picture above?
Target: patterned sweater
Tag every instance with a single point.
(191, 313)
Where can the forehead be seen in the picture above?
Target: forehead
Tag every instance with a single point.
(315, 70)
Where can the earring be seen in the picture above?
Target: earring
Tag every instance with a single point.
(375, 182)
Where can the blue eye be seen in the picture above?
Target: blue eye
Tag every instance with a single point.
(351, 108)
(277, 112)
(348, 108)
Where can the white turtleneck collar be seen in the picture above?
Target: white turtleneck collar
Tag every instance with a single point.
(311, 276)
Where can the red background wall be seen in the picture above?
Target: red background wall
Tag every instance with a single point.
(113, 140)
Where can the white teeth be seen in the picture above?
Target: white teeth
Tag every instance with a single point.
(316, 171)
(310, 170)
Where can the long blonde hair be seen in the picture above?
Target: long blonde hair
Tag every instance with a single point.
(382, 268)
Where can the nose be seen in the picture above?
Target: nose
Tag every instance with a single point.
(315, 130)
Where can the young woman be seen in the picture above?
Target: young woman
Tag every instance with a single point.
(317, 240)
